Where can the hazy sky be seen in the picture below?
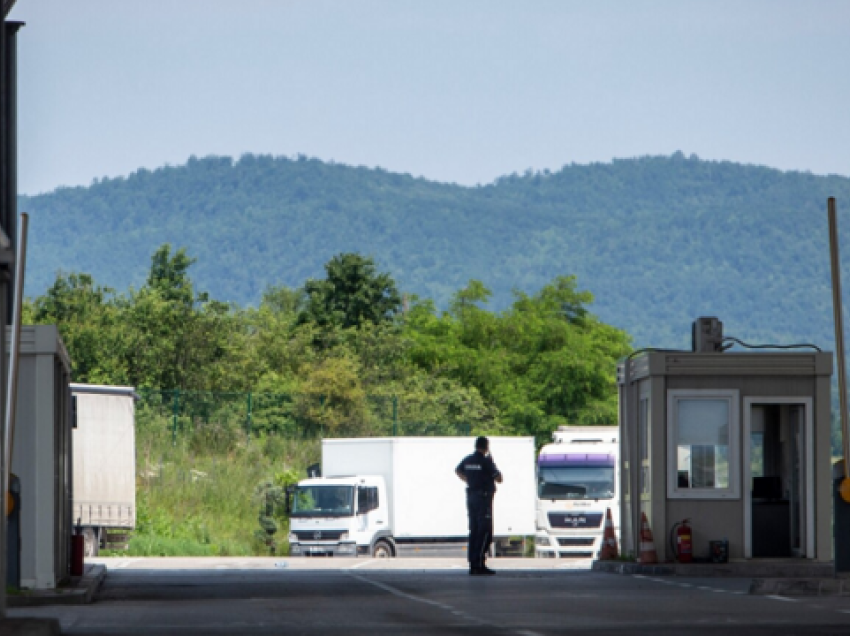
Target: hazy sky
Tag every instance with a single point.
(454, 90)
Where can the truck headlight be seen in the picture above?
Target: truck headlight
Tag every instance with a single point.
(542, 541)
(343, 536)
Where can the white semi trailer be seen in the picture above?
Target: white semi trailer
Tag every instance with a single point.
(576, 485)
(104, 463)
(380, 496)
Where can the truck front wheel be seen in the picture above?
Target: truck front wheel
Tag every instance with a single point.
(382, 550)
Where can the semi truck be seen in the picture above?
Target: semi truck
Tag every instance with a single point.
(576, 486)
(104, 464)
(382, 497)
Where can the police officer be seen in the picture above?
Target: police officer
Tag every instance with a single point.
(481, 476)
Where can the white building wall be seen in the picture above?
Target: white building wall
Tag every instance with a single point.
(40, 426)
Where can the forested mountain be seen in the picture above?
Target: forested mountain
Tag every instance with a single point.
(657, 240)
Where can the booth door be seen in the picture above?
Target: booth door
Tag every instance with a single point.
(777, 494)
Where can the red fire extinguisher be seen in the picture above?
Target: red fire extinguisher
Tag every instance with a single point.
(684, 546)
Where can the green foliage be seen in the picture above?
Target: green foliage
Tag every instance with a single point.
(659, 240)
(543, 362)
(197, 499)
(169, 275)
(214, 464)
(352, 294)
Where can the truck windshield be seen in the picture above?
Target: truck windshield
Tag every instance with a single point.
(323, 501)
(575, 482)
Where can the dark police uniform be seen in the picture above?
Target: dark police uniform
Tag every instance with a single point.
(480, 474)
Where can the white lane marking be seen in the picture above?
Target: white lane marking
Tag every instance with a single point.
(526, 632)
(419, 599)
(360, 565)
(124, 564)
(704, 588)
(781, 598)
(844, 611)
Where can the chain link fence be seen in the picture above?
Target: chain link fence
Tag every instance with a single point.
(219, 417)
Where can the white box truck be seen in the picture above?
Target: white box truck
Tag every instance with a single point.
(380, 496)
(576, 484)
(104, 463)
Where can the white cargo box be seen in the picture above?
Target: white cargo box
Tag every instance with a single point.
(427, 500)
(104, 456)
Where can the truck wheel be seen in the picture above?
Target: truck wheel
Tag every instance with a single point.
(382, 550)
(92, 544)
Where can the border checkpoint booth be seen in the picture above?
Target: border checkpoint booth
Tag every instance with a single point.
(739, 444)
(42, 457)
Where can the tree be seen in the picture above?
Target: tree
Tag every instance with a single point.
(352, 293)
(545, 362)
(89, 323)
(332, 399)
(169, 275)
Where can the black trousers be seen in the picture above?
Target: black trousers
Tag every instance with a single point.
(479, 507)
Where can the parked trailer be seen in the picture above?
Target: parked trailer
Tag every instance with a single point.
(379, 496)
(104, 447)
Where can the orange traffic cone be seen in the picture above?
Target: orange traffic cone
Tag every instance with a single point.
(647, 544)
(608, 551)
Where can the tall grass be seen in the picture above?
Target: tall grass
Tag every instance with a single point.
(197, 494)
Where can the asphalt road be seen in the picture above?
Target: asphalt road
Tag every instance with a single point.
(286, 596)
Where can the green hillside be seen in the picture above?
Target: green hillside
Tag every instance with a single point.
(657, 240)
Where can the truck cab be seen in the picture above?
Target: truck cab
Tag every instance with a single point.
(340, 516)
(576, 485)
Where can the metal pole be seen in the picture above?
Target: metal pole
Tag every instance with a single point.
(176, 409)
(248, 421)
(11, 399)
(14, 347)
(631, 441)
(837, 310)
(4, 490)
(395, 416)
(8, 214)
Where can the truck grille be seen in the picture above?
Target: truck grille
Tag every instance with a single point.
(575, 519)
(318, 535)
(574, 541)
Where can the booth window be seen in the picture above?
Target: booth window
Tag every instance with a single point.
(703, 444)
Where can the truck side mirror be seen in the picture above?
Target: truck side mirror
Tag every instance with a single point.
(288, 499)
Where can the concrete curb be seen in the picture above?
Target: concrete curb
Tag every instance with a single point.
(29, 627)
(788, 570)
(80, 592)
(800, 587)
(624, 567)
